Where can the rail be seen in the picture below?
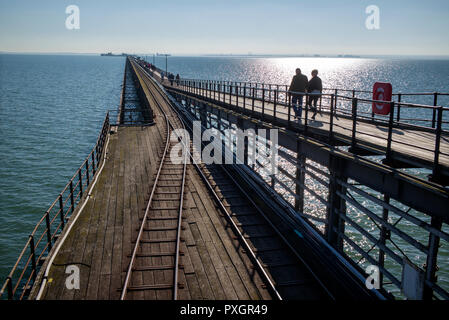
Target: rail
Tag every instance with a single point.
(127, 285)
(47, 230)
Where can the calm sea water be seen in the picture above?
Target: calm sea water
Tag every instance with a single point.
(52, 107)
(51, 111)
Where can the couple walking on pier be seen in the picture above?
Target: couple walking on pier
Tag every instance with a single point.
(301, 86)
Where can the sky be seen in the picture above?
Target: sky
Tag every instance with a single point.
(189, 27)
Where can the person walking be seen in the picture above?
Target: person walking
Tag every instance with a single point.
(315, 88)
(298, 88)
(177, 79)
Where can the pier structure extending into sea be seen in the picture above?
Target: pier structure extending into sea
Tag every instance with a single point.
(345, 205)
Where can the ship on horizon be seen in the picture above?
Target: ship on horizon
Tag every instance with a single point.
(110, 54)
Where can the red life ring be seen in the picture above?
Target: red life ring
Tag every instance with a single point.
(382, 91)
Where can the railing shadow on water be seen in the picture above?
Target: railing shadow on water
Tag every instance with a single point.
(48, 229)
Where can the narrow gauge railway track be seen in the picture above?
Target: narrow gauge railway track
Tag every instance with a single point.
(284, 274)
(154, 273)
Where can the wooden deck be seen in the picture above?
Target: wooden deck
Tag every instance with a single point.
(101, 241)
(101, 234)
(412, 146)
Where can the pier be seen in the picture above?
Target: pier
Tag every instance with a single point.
(139, 226)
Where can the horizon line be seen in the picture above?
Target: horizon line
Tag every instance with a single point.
(299, 55)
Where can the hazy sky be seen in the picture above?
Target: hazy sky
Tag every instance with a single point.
(407, 27)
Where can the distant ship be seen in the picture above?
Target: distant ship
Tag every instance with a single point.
(110, 54)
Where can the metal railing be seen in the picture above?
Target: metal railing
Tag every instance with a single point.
(368, 227)
(47, 230)
(363, 224)
(267, 104)
(280, 92)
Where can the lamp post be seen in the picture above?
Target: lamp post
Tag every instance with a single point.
(166, 55)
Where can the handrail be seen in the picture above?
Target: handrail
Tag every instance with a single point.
(267, 86)
(55, 216)
(432, 119)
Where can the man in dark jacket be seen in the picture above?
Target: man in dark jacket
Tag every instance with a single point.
(298, 88)
(315, 89)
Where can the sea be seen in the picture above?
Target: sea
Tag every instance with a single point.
(52, 108)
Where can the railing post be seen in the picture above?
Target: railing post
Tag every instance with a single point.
(436, 159)
(321, 100)
(47, 223)
(335, 225)
(335, 101)
(354, 121)
(61, 210)
(244, 97)
(431, 263)
(252, 105)
(289, 108)
(390, 132)
(384, 236)
(277, 92)
(398, 112)
(72, 202)
(87, 172)
(10, 293)
(263, 103)
(33, 256)
(306, 122)
(300, 178)
(236, 95)
(93, 165)
(80, 178)
(435, 102)
(274, 104)
(331, 121)
(97, 154)
(286, 95)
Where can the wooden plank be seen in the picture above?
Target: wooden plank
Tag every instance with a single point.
(243, 284)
